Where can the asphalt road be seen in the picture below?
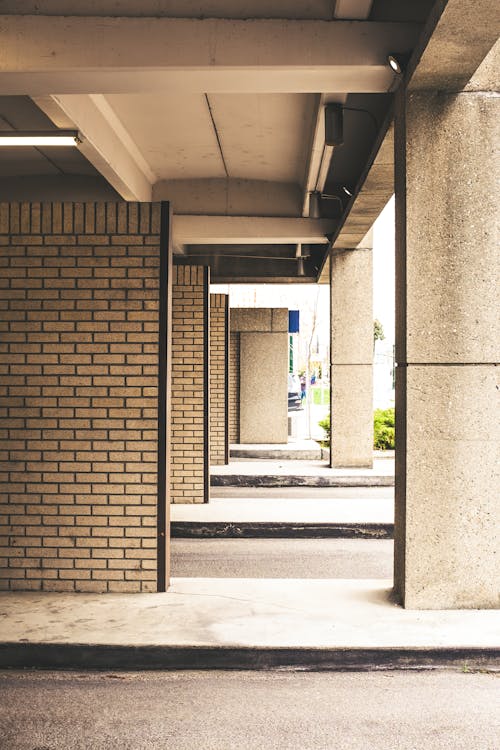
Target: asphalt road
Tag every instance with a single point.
(282, 558)
(249, 711)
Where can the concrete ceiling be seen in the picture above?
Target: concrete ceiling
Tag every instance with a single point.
(218, 107)
(198, 136)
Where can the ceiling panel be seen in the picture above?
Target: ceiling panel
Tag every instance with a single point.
(25, 161)
(174, 133)
(264, 136)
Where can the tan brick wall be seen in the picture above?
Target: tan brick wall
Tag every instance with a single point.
(234, 387)
(189, 451)
(78, 369)
(218, 370)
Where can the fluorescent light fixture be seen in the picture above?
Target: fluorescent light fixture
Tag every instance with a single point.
(324, 166)
(37, 138)
(334, 137)
(347, 191)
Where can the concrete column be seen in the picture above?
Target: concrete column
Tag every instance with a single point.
(351, 400)
(263, 355)
(447, 385)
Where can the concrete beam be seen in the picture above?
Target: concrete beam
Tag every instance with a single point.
(374, 194)
(230, 196)
(353, 8)
(106, 143)
(244, 230)
(461, 39)
(71, 55)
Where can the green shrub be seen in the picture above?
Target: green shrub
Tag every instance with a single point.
(325, 425)
(383, 429)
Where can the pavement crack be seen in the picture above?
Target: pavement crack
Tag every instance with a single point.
(239, 599)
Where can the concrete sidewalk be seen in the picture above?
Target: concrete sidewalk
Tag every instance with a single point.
(293, 510)
(302, 450)
(288, 517)
(295, 473)
(243, 623)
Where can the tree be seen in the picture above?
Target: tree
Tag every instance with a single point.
(378, 331)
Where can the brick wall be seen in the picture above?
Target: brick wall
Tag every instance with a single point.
(219, 314)
(189, 402)
(234, 387)
(79, 369)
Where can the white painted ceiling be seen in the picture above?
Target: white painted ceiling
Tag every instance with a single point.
(262, 136)
(223, 118)
(174, 134)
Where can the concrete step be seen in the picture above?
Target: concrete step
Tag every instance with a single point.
(298, 514)
(279, 530)
(209, 623)
(300, 480)
(303, 450)
(256, 472)
(131, 658)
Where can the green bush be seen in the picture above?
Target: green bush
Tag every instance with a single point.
(325, 425)
(383, 429)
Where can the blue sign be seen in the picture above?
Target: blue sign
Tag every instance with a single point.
(293, 321)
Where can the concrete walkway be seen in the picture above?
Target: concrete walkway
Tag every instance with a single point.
(298, 512)
(242, 623)
(291, 510)
(302, 450)
(293, 473)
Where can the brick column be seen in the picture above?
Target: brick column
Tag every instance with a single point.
(190, 407)
(219, 374)
(79, 331)
(234, 387)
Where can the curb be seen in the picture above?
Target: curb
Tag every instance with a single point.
(269, 455)
(111, 657)
(295, 480)
(279, 530)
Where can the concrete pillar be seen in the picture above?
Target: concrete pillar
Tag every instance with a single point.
(351, 400)
(263, 387)
(447, 385)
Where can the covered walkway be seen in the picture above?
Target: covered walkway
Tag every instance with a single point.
(205, 623)
(221, 142)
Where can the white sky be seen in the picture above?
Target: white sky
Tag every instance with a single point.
(384, 270)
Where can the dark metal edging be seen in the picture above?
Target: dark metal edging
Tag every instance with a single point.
(206, 385)
(165, 281)
(226, 381)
